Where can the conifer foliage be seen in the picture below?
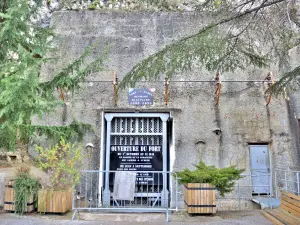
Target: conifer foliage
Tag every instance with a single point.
(24, 49)
(223, 179)
(239, 34)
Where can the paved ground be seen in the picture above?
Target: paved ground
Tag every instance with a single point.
(222, 218)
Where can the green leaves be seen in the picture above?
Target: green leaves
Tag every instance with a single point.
(25, 187)
(24, 47)
(211, 48)
(63, 160)
(223, 179)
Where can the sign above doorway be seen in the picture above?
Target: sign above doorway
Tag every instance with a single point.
(140, 96)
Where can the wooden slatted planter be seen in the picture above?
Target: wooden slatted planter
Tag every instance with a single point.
(9, 199)
(200, 198)
(50, 201)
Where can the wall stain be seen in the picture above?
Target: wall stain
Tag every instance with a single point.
(218, 123)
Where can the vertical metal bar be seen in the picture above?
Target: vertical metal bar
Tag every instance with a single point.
(165, 193)
(275, 180)
(148, 179)
(80, 191)
(148, 126)
(158, 187)
(167, 215)
(286, 184)
(116, 130)
(176, 192)
(106, 197)
(298, 183)
(97, 189)
(141, 186)
(239, 194)
(152, 191)
(91, 191)
(259, 187)
(270, 197)
(73, 199)
(152, 126)
(85, 194)
(136, 139)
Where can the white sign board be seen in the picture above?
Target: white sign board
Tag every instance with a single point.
(124, 185)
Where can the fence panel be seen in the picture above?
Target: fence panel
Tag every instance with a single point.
(148, 192)
(287, 180)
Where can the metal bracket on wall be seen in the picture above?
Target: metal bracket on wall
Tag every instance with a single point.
(218, 86)
(115, 83)
(166, 91)
(270, 82)
(62, 95)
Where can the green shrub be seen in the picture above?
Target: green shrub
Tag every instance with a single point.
(62, 162)
(223, 179)
(24, 187)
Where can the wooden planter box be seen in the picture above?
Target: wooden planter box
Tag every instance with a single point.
(200, 198)
(9, 199)
(50, 201)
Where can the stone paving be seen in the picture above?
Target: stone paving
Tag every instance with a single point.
(224, 218)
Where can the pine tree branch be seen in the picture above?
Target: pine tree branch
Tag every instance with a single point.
(239, 15)
(289, 81)
(162, 61)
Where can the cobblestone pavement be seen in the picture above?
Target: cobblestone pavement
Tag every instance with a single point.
(223, 218)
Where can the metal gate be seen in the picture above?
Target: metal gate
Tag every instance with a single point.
(140, 131)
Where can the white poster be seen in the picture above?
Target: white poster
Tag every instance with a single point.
(124, 185)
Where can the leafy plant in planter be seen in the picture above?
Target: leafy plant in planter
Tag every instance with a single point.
(25, 188)
(61, 162)
(208, 179)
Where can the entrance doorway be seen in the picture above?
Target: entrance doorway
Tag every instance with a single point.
(137, 143)
(260, 169)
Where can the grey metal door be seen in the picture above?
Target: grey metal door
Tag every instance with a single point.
(260, 169)
(139, 131)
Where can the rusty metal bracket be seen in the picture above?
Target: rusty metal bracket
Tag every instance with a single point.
(270, 82)
(218, 86)
(62, 95)
(166, 91)
(115, 83)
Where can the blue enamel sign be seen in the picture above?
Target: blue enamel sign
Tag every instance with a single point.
(140, 96)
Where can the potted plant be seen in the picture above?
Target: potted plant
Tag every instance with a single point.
(200, 186)
(21, 193)
(61, 162)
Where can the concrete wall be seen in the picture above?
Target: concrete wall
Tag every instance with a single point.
(242, 114)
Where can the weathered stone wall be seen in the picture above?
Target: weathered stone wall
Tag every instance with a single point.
(242, 114)
(50, 6)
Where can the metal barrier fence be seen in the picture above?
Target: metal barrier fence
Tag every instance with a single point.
(287, 180)
(256, 184)
(149, 193)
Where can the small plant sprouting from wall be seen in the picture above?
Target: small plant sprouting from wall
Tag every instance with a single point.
(94, 4)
